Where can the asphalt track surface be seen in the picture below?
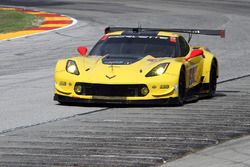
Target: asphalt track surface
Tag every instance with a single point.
(36, 131)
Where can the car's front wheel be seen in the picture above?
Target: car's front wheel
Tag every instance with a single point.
(179, 101)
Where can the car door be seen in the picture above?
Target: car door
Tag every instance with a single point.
(194, 65)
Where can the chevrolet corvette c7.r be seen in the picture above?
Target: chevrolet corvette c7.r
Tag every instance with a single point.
(139, 65)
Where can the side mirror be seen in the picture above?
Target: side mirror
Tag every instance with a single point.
(194, 53)
(82, 50)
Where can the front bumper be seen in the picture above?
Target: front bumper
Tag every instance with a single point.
(118, 91)
(114, 94)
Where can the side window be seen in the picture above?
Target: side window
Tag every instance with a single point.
(184, 47)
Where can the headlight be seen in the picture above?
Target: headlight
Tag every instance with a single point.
(158, 70)
(71, 67)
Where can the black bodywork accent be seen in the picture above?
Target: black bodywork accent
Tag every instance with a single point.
(204, 88)
(71, 100)
(131, 90)
(146, 33)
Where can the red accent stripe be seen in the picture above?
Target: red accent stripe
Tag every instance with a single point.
(58, 22)
(222, 33)
(104, 37)
(43, 28)
(49, 15)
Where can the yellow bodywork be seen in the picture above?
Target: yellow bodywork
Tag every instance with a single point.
(164, 86)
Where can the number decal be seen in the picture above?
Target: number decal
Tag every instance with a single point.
(192, 75)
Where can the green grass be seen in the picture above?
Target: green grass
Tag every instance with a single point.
(11, 21)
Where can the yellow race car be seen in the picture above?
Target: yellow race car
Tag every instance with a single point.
(139, 65)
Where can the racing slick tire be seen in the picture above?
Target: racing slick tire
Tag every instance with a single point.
(213, 80)
(179, 101)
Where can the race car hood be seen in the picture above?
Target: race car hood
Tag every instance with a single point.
(97, 69)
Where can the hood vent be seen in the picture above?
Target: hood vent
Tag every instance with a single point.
(120, 60)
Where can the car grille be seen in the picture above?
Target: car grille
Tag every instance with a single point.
(131, 90)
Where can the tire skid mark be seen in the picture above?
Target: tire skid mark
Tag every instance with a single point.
(233, 79)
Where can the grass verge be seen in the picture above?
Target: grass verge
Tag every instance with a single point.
(11, 21)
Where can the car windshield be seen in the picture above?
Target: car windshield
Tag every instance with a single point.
(135, 47)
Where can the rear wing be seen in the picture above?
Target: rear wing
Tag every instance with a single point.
(220, 33)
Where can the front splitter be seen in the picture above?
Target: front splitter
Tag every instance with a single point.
(66, 99)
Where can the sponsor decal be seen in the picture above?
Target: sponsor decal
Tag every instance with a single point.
(173, 39)
(192, 75)
(138, 36)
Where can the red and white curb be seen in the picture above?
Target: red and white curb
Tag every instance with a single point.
(51, 22)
